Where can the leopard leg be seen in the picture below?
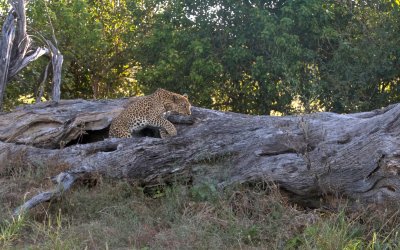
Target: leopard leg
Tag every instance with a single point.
(166, 127)
(163, 133)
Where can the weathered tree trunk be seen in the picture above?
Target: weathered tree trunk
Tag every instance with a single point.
(355, 155)
(17, 50)
(7, 37)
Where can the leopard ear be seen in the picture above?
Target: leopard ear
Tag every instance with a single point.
(186, 96)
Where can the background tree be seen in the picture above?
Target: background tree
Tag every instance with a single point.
(95, 36)
(363, 71)
(261, 56)
(257, 57)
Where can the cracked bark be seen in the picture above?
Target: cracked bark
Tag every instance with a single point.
(354, 155)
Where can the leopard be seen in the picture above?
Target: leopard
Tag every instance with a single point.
(150, 111)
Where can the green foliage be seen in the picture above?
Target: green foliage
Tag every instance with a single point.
(253, 57)
(80, 40)
(257, 57)
(363, 72)
(95, 38)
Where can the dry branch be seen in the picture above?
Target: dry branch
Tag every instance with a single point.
(56, 61)
(354, 155)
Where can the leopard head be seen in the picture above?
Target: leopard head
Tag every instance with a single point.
(180, 104)
(173, 102)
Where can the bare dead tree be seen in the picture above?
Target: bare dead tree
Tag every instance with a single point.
(17, 50)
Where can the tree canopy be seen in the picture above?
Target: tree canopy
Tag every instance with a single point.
(256, 57)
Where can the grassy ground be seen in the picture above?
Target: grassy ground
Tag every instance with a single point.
(115, 215)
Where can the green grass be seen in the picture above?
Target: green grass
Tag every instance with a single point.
(116, 215)
(10, 229)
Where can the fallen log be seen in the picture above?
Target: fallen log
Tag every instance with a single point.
(351, 155)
